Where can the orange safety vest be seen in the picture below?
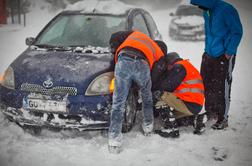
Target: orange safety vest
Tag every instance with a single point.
(143, 43)
(192, 88)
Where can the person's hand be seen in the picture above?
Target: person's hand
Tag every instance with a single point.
(228, 56)
(157, 95)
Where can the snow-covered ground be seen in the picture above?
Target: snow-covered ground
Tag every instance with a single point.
(231, 147)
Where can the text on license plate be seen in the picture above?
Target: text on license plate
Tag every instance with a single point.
(46, 105)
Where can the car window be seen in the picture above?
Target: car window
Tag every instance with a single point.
(82, 30)
(185, 10)
(152, 25)
(139, 24)
(56, 32)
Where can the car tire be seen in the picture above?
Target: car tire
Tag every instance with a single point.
(33, 130)
(2, 107)
(130, 111)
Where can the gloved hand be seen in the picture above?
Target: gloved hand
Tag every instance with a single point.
(157, 95)
(157, 101)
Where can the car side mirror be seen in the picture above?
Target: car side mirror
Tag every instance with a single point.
(171, 14)
(29, 41)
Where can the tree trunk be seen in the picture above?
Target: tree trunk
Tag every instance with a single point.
(3, 16)
(19, 11)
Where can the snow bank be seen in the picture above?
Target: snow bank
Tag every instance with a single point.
(232, 147)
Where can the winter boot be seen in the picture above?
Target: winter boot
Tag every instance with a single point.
(147, 129)
(114, 149)
(114, 143)
(170, 127)
(199, 124)
(220, 124)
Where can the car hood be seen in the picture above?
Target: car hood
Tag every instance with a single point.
(189, 20)
(62, 68)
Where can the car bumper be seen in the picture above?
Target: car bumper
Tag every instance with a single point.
(83, 113)
(29, 120)
(192, 35)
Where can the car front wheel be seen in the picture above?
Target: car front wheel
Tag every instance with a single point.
(130, 111)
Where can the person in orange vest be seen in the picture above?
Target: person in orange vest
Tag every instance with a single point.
(134, 54)
(182, 95)
(224, 31)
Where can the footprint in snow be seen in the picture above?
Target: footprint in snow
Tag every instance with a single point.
(219, 154)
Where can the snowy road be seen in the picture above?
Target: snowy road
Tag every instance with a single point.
(231, 147)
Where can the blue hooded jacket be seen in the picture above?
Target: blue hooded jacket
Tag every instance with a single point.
(223, 27)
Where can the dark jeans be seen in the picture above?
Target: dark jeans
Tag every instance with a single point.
(128, 70)
(217, 78)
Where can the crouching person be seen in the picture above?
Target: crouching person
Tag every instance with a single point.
(181, 94)
(134, 54)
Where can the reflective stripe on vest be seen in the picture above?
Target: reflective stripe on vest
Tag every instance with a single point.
(148, 44)
(196, 81)
(191, 89)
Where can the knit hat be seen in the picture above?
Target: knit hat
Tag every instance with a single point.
(162, 46)
(117, 39)
(172, 57)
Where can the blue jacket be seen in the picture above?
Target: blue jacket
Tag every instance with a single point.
(223, 27)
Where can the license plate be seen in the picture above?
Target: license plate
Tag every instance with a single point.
(45, 105)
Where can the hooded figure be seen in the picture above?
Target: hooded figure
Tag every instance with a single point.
(222, 27)
(223, 30)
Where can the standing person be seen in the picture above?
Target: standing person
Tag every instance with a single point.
(223, 31)
(134, 54)
(182, 95)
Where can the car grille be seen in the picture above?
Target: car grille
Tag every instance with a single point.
(55, 90)
(186, 27)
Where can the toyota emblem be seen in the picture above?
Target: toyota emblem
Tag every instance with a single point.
(48, 83)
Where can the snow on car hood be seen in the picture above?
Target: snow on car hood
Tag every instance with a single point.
(109, 7)
(68, 68)
(189, 20)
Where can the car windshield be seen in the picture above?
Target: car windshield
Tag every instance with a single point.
(188, 11)
(81, 30)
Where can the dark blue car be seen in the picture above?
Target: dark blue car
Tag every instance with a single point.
(63, 80)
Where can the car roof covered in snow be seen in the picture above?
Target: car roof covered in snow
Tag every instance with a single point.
(100, 7)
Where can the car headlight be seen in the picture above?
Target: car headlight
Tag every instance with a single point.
(101, 85)
(8, 79)
(173, 26)
(199, 28)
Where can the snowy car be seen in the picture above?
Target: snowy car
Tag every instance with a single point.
(187, 23)
(63, 80)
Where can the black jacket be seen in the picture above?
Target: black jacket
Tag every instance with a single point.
(170, 80)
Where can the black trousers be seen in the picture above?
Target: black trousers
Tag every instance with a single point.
(217, 78)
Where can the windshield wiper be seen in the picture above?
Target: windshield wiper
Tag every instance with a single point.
(44, 46)
(53, 47)
(62, 48)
